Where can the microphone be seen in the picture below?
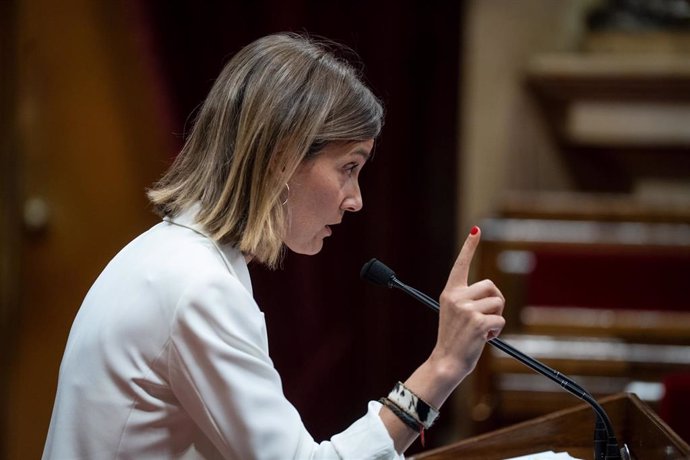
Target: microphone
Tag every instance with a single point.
(605, 442)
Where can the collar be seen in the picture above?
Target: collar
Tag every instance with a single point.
(232, 257)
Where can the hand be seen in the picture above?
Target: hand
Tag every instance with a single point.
(469, 316)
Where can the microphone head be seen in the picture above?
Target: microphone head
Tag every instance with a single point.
(377, 272)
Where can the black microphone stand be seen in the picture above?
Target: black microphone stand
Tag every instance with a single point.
(605, 442)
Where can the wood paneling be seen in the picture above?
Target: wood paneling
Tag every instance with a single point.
(90, 139)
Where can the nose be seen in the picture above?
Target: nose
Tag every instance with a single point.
(353, 201)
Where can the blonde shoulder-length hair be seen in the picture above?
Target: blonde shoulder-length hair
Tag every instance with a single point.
(275, 104)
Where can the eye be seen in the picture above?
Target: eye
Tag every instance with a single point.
(351, 168)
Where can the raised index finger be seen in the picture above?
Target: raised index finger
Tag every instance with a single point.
(461, 269)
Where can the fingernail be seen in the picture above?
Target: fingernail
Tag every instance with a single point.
(474, 230)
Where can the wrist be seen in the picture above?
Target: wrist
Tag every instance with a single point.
(435, 380)
(448, 370)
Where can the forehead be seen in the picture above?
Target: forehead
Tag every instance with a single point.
(350, 148)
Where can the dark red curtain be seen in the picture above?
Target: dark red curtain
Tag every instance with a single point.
(337, 341)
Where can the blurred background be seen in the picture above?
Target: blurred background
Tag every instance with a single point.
(561, 128)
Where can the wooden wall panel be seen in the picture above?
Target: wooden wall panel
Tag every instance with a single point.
(91, 138)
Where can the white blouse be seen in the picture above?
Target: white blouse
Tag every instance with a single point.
(168, 358)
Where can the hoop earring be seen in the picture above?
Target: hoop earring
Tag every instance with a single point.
(287, 187)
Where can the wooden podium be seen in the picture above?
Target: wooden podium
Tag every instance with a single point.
(572, 430)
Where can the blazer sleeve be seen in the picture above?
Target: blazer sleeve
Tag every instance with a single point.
(220, 371)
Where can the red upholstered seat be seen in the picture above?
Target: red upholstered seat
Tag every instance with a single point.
(675, 404)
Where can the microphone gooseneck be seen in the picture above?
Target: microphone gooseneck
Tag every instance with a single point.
(378, 273)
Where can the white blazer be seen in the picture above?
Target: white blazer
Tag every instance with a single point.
(168, 358)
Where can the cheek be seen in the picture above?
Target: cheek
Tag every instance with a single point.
(322, 196)
(315, 209)
(315, 200)
(305, 209)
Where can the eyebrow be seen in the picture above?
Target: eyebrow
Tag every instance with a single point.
(363, 153)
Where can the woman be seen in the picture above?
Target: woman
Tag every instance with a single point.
(168, 356)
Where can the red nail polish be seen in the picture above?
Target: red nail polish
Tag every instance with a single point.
(474, 230)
